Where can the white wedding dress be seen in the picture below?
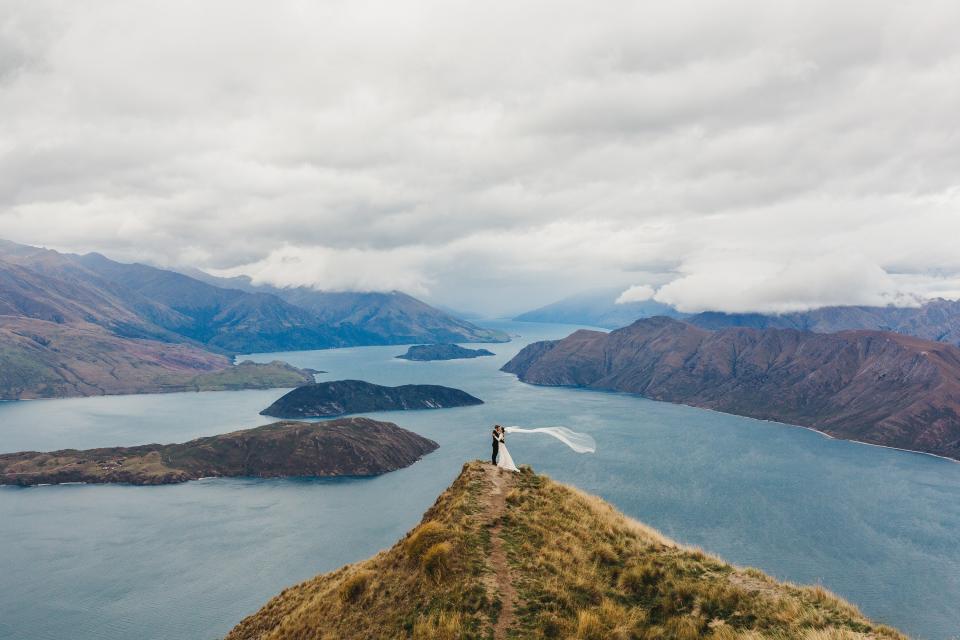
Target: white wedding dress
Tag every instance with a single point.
(504, 460)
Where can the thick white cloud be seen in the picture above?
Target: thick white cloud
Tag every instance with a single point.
(740, 156)
(635, 293)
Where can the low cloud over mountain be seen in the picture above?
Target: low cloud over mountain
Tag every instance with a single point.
(744, 157)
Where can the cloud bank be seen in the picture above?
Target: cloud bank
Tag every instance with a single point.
(748, 156)
(635, 293)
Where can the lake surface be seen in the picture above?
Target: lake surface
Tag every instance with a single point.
(879, 527)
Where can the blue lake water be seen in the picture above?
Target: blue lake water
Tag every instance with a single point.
(880, 527)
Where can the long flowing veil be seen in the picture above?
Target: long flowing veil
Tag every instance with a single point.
(579, 442)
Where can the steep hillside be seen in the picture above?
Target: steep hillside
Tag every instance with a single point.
(82, 325)
(228, 319)
(369, 317)
(872, 386)
(934, 320)
(230, 315)
(519, 556)
(44, 286)
(42, 359)
(354, 447)
(394, 317)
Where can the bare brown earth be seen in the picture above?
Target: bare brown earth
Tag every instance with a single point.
(872, 386)
(518, 556)
(352, 446)
(500, 482)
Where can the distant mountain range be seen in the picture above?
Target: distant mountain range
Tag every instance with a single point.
(85, 324)
(936, 319)
(370, 318)
(597, 309)
(871, 386)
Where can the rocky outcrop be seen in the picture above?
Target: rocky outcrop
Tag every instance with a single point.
(327, 399)
(871, 386)
(346, 447)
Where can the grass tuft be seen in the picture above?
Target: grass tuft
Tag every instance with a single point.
(435, 561)
(354, 586)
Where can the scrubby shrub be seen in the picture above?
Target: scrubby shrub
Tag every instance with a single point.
(719, 630)
(355, 586)
(424, 537)
(610, 621)
(549, 625)
(435, 561)
(442, 626)
(605, 554)
(684, 628)
(641, 579)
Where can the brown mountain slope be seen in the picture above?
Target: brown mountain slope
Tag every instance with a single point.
(353, 446)
(504, 555)
(872, 386)
(42, 359)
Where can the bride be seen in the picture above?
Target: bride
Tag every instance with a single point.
(504, 460)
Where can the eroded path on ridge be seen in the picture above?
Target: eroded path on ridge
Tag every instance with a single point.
(502, 582)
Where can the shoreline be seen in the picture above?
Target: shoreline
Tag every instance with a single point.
(738, 415)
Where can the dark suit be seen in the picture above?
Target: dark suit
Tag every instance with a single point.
(496, 448)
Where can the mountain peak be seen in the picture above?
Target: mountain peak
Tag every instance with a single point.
(521, 556)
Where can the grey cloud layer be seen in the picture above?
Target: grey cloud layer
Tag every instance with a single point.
(743, 156)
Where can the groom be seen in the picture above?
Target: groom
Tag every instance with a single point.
(496, 444)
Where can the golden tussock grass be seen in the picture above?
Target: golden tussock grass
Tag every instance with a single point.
(582, 570)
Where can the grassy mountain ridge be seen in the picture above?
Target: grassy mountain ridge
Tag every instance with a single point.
(520, 556)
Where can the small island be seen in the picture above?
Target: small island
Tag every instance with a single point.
(345, 447)
(340, 397)
(428, 352)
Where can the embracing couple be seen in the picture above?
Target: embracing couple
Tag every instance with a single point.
(500, 450)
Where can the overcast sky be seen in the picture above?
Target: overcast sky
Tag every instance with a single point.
(495, 156)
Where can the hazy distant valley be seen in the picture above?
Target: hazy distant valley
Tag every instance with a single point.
(86, 325)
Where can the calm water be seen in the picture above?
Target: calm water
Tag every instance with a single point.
(188, 561)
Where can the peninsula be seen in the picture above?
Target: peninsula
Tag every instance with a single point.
(877, 387)
(345, 447)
